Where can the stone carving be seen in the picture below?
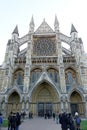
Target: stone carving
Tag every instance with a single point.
(44, 47)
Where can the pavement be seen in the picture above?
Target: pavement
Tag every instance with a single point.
(38, 123)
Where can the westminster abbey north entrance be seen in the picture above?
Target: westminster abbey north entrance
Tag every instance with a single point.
(44, 100)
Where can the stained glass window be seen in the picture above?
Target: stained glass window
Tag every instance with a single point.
(44, 47)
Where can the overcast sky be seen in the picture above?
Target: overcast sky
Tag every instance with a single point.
(19, 12)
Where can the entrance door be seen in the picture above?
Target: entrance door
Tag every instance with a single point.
(13, 103)
(41, 109)
(74, 108)
(44, 107)
(49, 108)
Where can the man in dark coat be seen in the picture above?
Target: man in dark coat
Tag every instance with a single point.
(13, 121)
(63, 121)
(70, 122)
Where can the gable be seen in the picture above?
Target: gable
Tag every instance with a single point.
(44, 28)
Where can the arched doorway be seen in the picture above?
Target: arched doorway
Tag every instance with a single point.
(44, 99)
(13, 103)
(76, 103)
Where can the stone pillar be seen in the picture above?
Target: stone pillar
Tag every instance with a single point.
(26, 79)
(3, 105)
(27, 108)
(61, 104)
(27, 69)
(60, 64)
(86, 106)
(62, 79)
(66, 105)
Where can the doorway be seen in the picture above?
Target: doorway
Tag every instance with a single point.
(44, 108)
(74, 108)
(13, 103)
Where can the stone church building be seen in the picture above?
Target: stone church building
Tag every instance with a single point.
(45, 76)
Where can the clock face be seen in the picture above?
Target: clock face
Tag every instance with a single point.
(44, 47)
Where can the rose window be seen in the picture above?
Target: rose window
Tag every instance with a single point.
(44, 47)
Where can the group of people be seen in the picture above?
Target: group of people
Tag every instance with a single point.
(14, 120)
(47, 115)
(67, 121)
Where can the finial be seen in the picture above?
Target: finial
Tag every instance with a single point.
(32, 25)
(56, 24)
(73, 29)
(16, 30)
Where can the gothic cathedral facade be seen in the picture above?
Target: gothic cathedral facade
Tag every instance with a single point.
(45, 75)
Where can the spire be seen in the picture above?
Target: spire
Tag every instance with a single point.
(32, 25)
(16, 30)
(56, 24)
(73, 29)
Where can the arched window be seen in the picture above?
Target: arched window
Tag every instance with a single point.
(53, 74)
(70, 78)
(35, 75)
(19, 79)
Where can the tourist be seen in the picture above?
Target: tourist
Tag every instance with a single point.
(57, 118)
(9, 119)
(18, 118)
(70, 122)
(63, 121)
(54, 116)
(45, 115)
(1, 120)
(13, 121)
(77, 122)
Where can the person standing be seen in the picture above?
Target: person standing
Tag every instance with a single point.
(18, 122)
(9, 123)
(63, 121)
(57, 118)
(13, 121)
(77, 122)
(54, 116)
(1, 120)
(70, 122)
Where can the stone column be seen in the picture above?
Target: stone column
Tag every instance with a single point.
(60, 64)
(62, 79)
(66, 104)
(27, 107)
(27, 69)
(26, 79)
(86, 106)
(3, 105)
(61, 104)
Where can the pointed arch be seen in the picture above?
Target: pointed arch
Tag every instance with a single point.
(13, 101)
(45, 90)
(53, 74)
(15, 89)
(78, 91)
(35, 73)
(40, 82)
(46, 95)
(77, 102)
(18, 76)
(70, 77)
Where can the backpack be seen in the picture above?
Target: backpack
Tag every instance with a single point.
(78, 120)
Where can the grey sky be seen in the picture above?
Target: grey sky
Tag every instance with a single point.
(19, 12)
